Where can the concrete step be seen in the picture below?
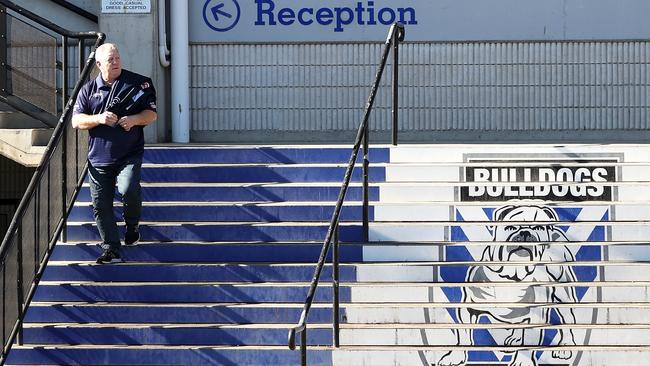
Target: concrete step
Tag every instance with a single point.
(322, 211)
(309, 154)
(200, 292)
(476, 231)
(233, 212)
(180, 292)
(286, 271)
(173, 313)
(163, 356)
(234, 192)
(168, 335)
(482, 356)
(179, 272)
(203, 252)
(24, 146)
(440, 153)
(628, 193)
(254, 174)
(393, 315)
(219, 231)
(351, 335)
(281, 356)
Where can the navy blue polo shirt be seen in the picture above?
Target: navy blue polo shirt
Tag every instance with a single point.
(113, 145)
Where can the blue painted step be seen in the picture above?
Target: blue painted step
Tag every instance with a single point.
(192, 293)
(278, 356)
(256, 174)
(190, 273)
(256, 155)
(210, 253)
(234, 213)
(171, 336)
(174, 314)
(247, 193)
(225, 232)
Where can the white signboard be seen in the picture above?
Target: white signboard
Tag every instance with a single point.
(126, 6)
(425, 20)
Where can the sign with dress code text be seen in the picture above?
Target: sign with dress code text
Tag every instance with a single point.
(126, 6)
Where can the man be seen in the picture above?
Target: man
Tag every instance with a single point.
(114, 108)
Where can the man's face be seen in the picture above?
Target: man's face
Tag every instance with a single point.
(109, 65)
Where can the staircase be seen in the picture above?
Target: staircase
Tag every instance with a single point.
(22, 138)
(230, 236)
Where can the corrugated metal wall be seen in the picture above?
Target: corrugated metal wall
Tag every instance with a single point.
(496, 86)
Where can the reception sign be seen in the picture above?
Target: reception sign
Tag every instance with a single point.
(256, 21)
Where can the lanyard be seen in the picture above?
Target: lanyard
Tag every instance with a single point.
(110, 96)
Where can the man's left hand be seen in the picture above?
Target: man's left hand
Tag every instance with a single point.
(126, 123)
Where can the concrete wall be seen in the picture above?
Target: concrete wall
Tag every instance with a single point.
(62, 16)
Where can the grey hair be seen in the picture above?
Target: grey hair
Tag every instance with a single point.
(103, 49)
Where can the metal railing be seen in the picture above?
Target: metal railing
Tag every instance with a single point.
(40, 218)
(395, 36)
(35, 63)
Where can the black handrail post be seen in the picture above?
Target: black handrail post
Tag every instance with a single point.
(37, 225)
(81, 55)
(64, 65)
(366, 167)
(395, 41)
(4, 304)
(19, 282)
(335, 289)
(82, 59)
(4, 88)
(303, 347)
(64, 142)
(64, 185)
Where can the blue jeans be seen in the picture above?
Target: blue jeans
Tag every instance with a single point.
(102, 190)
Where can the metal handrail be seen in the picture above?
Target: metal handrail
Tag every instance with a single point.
(13, 236)
(395, 35)
(36, 112)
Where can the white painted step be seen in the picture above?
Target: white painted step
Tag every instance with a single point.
(427, 356)
(611, 271)
(613, 292)
(629, 336)
(480, 231)
(455, 153)
(589, 314)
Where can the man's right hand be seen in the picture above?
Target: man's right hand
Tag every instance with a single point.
(108, 118)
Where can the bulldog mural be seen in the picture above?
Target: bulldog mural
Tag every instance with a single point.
(519, 255)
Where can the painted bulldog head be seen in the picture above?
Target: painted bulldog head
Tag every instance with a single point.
(528, 242)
